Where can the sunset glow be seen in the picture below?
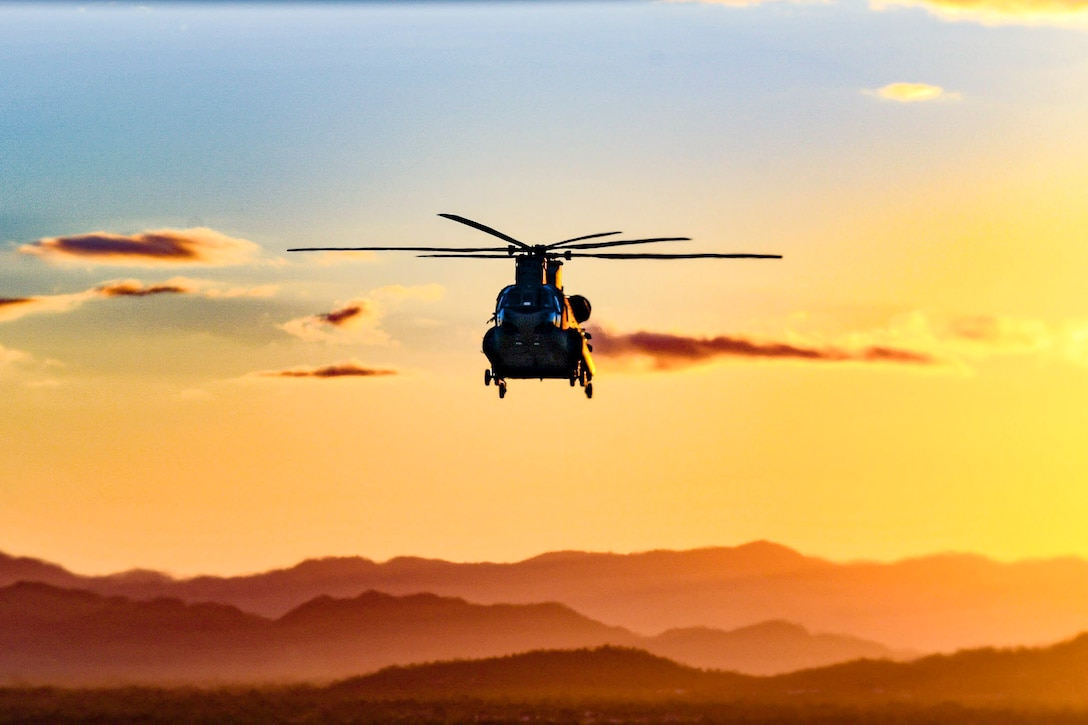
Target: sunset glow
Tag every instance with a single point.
(183, 394)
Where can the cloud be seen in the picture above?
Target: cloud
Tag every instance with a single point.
(133, 288)
(1000, 12)
(345, 315)
(354, 321)
(359, 320)
(349, 369)
(198, 246)
(1001, 334)
(1071, 13)
(13, 308)
(10, 357)
(913, 93)
(14, 302)
(668, 351)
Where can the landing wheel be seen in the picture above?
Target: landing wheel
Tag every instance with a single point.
(502, 388)
(573, 381)
(589, 390)
(487, 377)
(581, 376)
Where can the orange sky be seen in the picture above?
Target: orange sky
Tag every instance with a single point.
(910, 378)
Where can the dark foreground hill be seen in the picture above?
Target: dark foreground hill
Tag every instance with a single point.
(1052, 677)
(50, 635)
(611, 684)
(937, 603)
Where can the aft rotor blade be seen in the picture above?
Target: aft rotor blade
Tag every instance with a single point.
(578, 239)
(621, 242)
(648, 255)
(400, 249)
(485, 228)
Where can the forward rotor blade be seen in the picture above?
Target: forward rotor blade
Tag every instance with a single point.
(622, 242)
(648, 255)
(485, 228)
(400, 249)
(578, 239)
(469, 256)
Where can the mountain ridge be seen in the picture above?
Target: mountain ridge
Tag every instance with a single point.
(941, 602)
(58, 636)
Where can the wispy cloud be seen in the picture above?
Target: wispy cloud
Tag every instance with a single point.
(358, 320)
(913, 93)
(916, 340)
(1001, 12)
(349, 369)
(9, 357)
(670, 351)
(1073, 13)
(133, 288)
(198, 246)
(354, 321)
(13, 308)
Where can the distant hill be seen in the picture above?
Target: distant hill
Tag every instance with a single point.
(60, 636)
(768, 648)
(23, 568)
(609, 672)
(937, 603)
(1053, 677)
(51, 635)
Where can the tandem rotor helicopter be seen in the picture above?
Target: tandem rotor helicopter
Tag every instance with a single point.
(536, 330)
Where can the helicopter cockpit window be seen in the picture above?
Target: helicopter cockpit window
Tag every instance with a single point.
(529, 300)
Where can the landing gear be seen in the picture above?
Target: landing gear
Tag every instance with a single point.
(584, 379)
(501, 385)
(487, 377)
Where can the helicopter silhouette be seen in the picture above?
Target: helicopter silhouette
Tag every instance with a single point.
(536, 330)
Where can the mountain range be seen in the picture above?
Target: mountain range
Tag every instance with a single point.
(52, 635)
(939, 603)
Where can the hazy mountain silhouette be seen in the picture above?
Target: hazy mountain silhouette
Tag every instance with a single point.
(23, 568)
(54, 635)
(62, 636)
(936, 603)
(768, 648)
(1051, 677)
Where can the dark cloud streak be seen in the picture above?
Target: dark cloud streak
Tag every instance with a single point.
(164, 246)
(134, 289)
(341, 316)
(337, 370)
(669, 351)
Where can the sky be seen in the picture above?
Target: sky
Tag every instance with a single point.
(182, 393)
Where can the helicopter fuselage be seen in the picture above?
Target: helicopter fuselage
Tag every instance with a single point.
(535, 330)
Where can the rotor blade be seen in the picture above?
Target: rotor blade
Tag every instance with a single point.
(578, 239)
(400, 249)
(469, 256)
(621, 242)
(484, 228)
(647, 255)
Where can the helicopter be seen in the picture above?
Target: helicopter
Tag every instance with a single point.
(536, 330)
